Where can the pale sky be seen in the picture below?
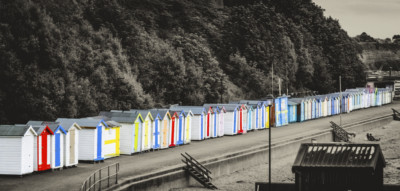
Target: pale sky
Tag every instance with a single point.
(378, 18)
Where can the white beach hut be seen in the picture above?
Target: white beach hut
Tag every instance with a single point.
(16, 151)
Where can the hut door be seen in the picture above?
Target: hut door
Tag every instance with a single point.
(99, 141)
(146, 134)
(215, 125)
(43, 149)
(181, 126)
(240, 120)
(187, 128)
(72, 146)
(208, 124)
(202, 127)
(165, 134)
(156, 133)
(135, 137)
(172, 132)
(57, 149)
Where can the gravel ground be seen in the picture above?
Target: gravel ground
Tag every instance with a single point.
(281, 171)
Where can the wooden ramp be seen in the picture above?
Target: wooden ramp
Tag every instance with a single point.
(198, 171)
(339, 134)
(396, 115)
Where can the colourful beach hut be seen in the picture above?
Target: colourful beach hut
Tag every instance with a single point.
(187, 133)
(156, 133)
(179, 126)
(164, 126)
(91, 138)
(300, 102)
(221, 114)
(209, 122)
(16, 151)
(130, 131)
(292, 111)
(71, 143)
(112, 139)
(173, 131)
(230, 117)
(42, 148)
(147, 129)
(198, 120)
(57, 142)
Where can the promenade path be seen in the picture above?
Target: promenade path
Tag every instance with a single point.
(142, 163)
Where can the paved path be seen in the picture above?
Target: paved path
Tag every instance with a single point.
(71, 179)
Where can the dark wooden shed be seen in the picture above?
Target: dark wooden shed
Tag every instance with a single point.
(339, 167)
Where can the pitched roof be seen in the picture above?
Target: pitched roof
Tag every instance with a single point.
(13, 130)
(83, 122)
(113, 123)
(161, 112)
(67, 123)
(121, 116)
(228, 107)
(143, 113)
(196, 110)
(338, 155)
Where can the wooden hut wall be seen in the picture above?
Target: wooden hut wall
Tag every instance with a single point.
(111, 142)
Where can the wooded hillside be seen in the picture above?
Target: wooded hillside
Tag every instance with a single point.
(75, 58)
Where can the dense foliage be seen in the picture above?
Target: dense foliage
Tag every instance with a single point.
(75, 58)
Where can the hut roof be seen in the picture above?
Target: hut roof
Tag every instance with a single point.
(228, 107)
(196, 110)
(14, 130)
(82, 122)
(121, 116)
(161, 112)
(338, 155)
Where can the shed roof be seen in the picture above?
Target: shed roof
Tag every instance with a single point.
(82, 122)
(161, 112)
(121, 116)
(14, 130)
(338, 155)
(196, 110)
(143, 113)
(67, 124)
(228, 107)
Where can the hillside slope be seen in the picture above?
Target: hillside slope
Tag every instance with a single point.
(76, 58)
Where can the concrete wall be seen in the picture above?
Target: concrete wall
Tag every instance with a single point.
(176, 177)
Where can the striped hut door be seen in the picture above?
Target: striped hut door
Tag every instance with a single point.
(165, 133)
(57, 149)
(136, 137)
(99, 141)
(146, 134)
(72, 146)
(202, 127)
(187, 137)
(172, 132)
(240, 121)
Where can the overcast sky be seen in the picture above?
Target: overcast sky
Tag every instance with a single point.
(378, 18)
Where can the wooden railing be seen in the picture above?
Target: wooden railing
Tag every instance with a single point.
(193, 163)
(101, 178)
(198, 171)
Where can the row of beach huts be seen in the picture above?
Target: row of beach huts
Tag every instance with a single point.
(42, 145)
